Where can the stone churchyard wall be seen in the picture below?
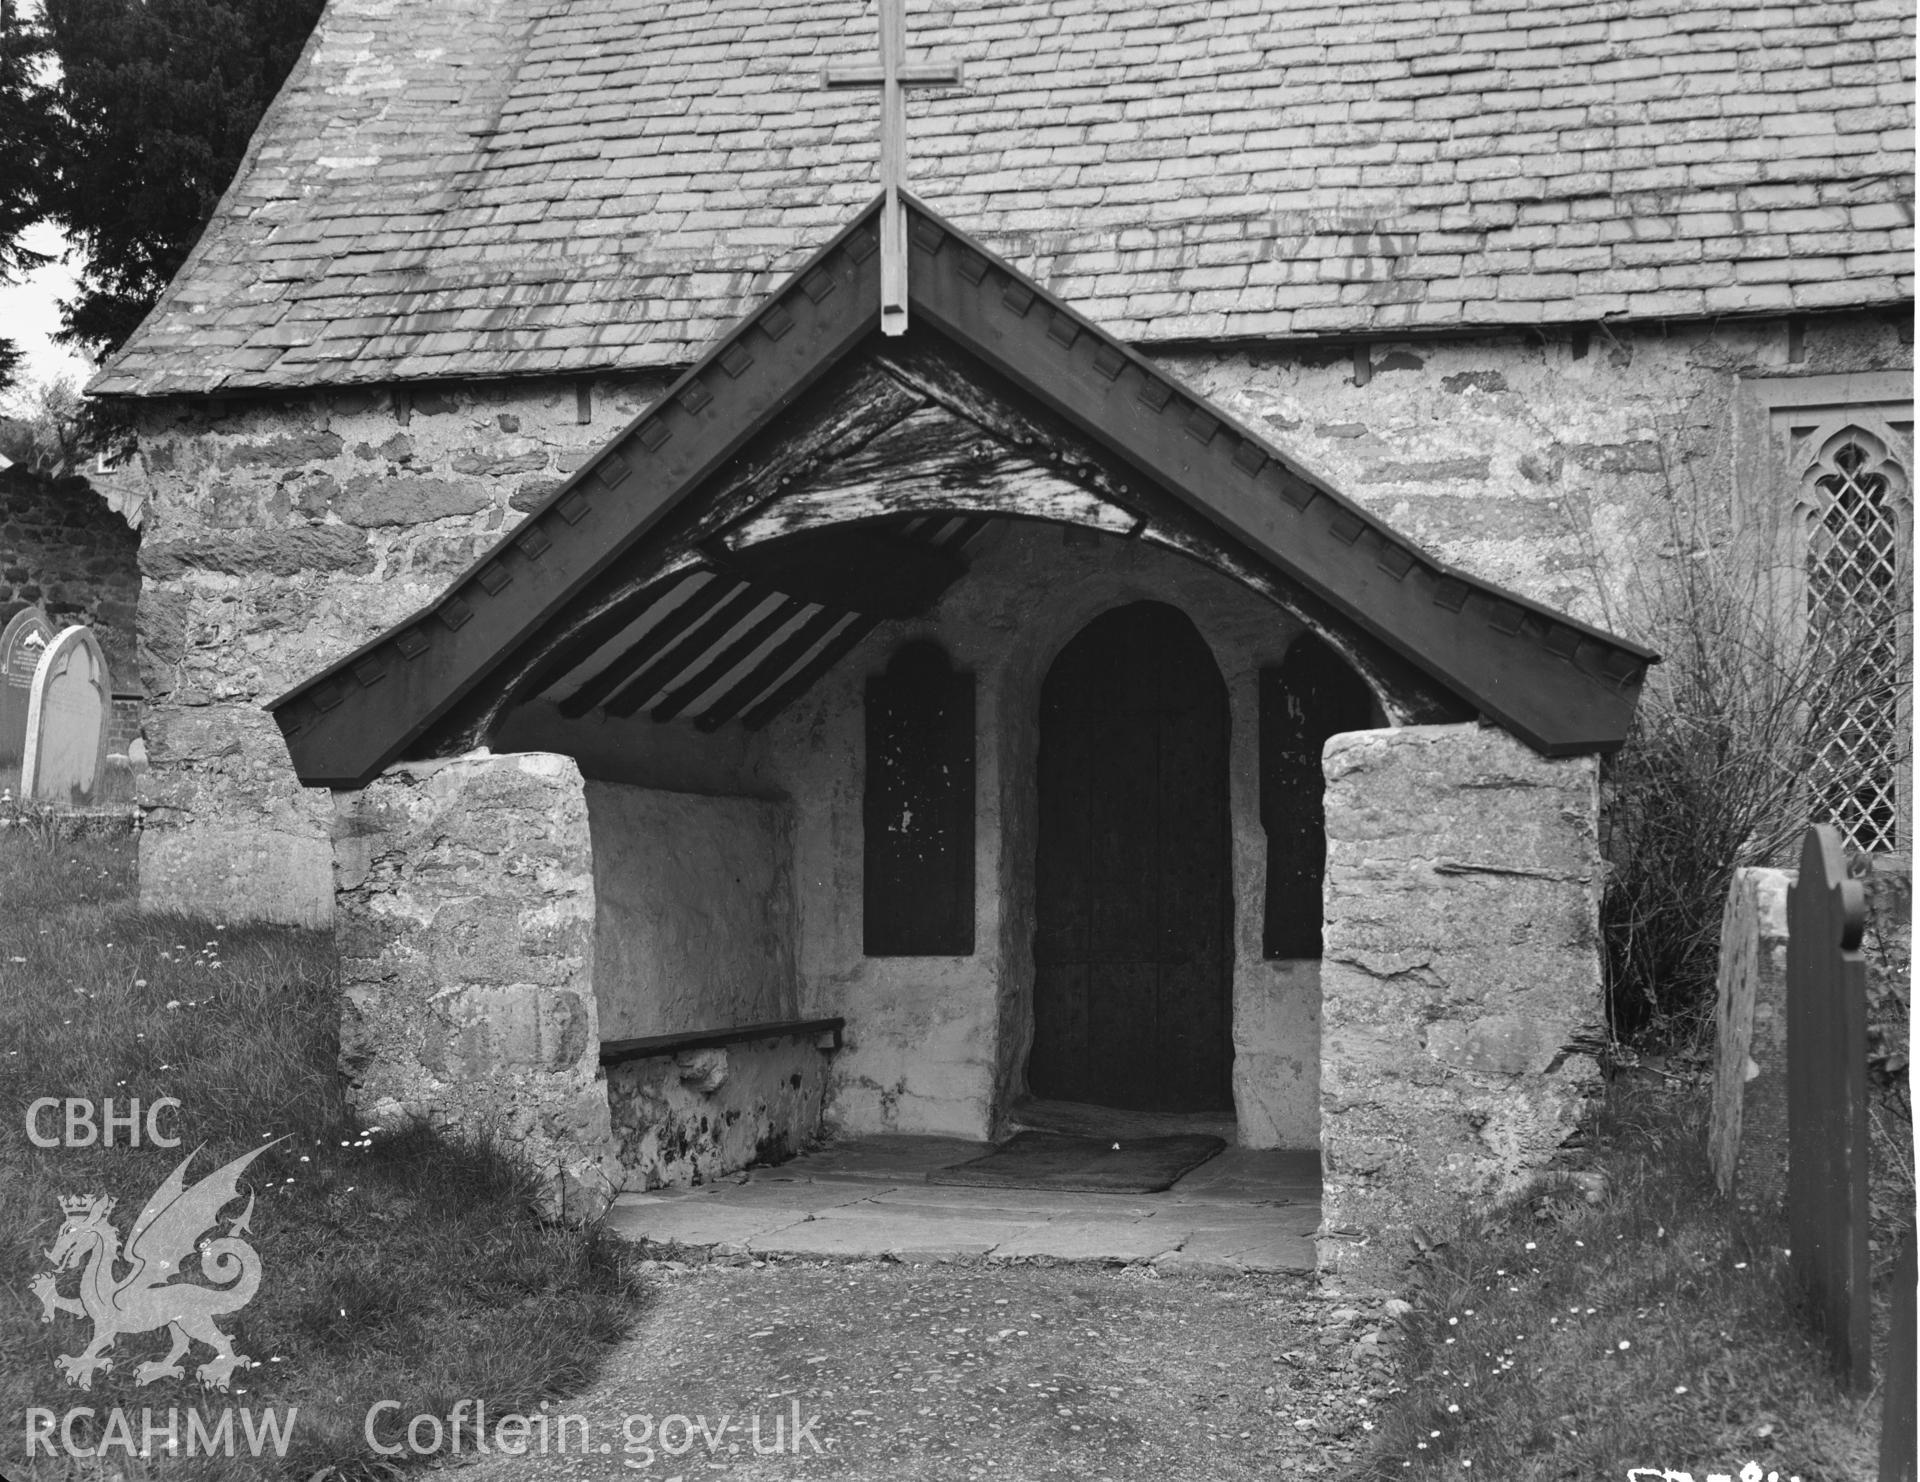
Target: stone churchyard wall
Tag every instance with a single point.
(466, 923)
(1461, 982)
(64, 550)
(284, 531)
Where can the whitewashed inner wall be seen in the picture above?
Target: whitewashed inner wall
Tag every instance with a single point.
(693, 928)
(939, 1044)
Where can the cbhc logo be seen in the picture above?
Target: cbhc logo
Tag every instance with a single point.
(84, 1127)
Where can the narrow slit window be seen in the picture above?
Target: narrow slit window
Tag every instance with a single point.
(1311, 695)
(917, 876)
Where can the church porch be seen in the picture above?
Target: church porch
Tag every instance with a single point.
(1129, 975)
(811, 670)
(759, 880)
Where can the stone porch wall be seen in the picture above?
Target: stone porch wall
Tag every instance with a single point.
(696, 1116)
(1460, 982)
(465, 930)
(694, 921)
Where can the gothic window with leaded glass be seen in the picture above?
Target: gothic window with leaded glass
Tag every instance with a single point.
(1855, 501)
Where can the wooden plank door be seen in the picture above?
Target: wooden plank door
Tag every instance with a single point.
(1133, 966)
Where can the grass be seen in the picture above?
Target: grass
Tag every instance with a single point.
(1556, 1338)
(397, 1264)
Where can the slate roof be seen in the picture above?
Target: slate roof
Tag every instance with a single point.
(505, 187)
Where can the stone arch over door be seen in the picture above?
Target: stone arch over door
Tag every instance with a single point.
(1133, 954)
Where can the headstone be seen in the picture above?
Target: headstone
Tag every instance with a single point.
(1747, 1137)
(67, 716)
(22, 642)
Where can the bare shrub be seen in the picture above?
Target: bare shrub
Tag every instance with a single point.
(1731, 756)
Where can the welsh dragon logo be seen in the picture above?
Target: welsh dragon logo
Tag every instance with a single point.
(149, 1296)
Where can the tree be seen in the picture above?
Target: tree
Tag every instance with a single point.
(50, 434)
(155, 103)
(23, 128)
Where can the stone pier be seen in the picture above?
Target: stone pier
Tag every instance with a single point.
(1461, 979)
(465, 921)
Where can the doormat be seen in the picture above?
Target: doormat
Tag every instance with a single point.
(1090, 1165)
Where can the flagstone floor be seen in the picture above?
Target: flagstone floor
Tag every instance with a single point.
(1244, 1211)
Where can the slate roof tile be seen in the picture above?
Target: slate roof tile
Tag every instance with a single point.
(494, 187)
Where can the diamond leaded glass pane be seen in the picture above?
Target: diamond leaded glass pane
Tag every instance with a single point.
(1855, 605)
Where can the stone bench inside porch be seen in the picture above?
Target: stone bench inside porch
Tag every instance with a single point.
(692, 1106)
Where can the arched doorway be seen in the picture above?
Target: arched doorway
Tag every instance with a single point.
(1133, 959)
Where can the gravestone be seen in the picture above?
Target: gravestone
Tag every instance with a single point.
(1747, 1137)
(67, 717)
(22, 642)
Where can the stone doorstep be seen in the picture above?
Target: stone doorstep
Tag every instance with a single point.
(1227, 1243)
(894, 1157)
(938, 1238)
(801, 1197)
(1245, 1211)
(1022, 1205)
(695, 1226)
(1245, 1250)
(1095, 1240)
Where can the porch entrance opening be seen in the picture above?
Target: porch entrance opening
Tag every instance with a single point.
(1133, 960)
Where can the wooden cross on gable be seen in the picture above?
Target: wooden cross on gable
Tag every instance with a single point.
(893, 77)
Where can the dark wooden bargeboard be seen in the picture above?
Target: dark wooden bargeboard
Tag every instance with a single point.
(1132, 942)
(807, 373)
(1827, 1101)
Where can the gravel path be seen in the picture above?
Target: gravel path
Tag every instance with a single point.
(982, 1370)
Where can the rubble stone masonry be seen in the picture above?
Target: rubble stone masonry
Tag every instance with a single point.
(1461, 989)
(65, 551)
(282, 532)
(466, 962)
